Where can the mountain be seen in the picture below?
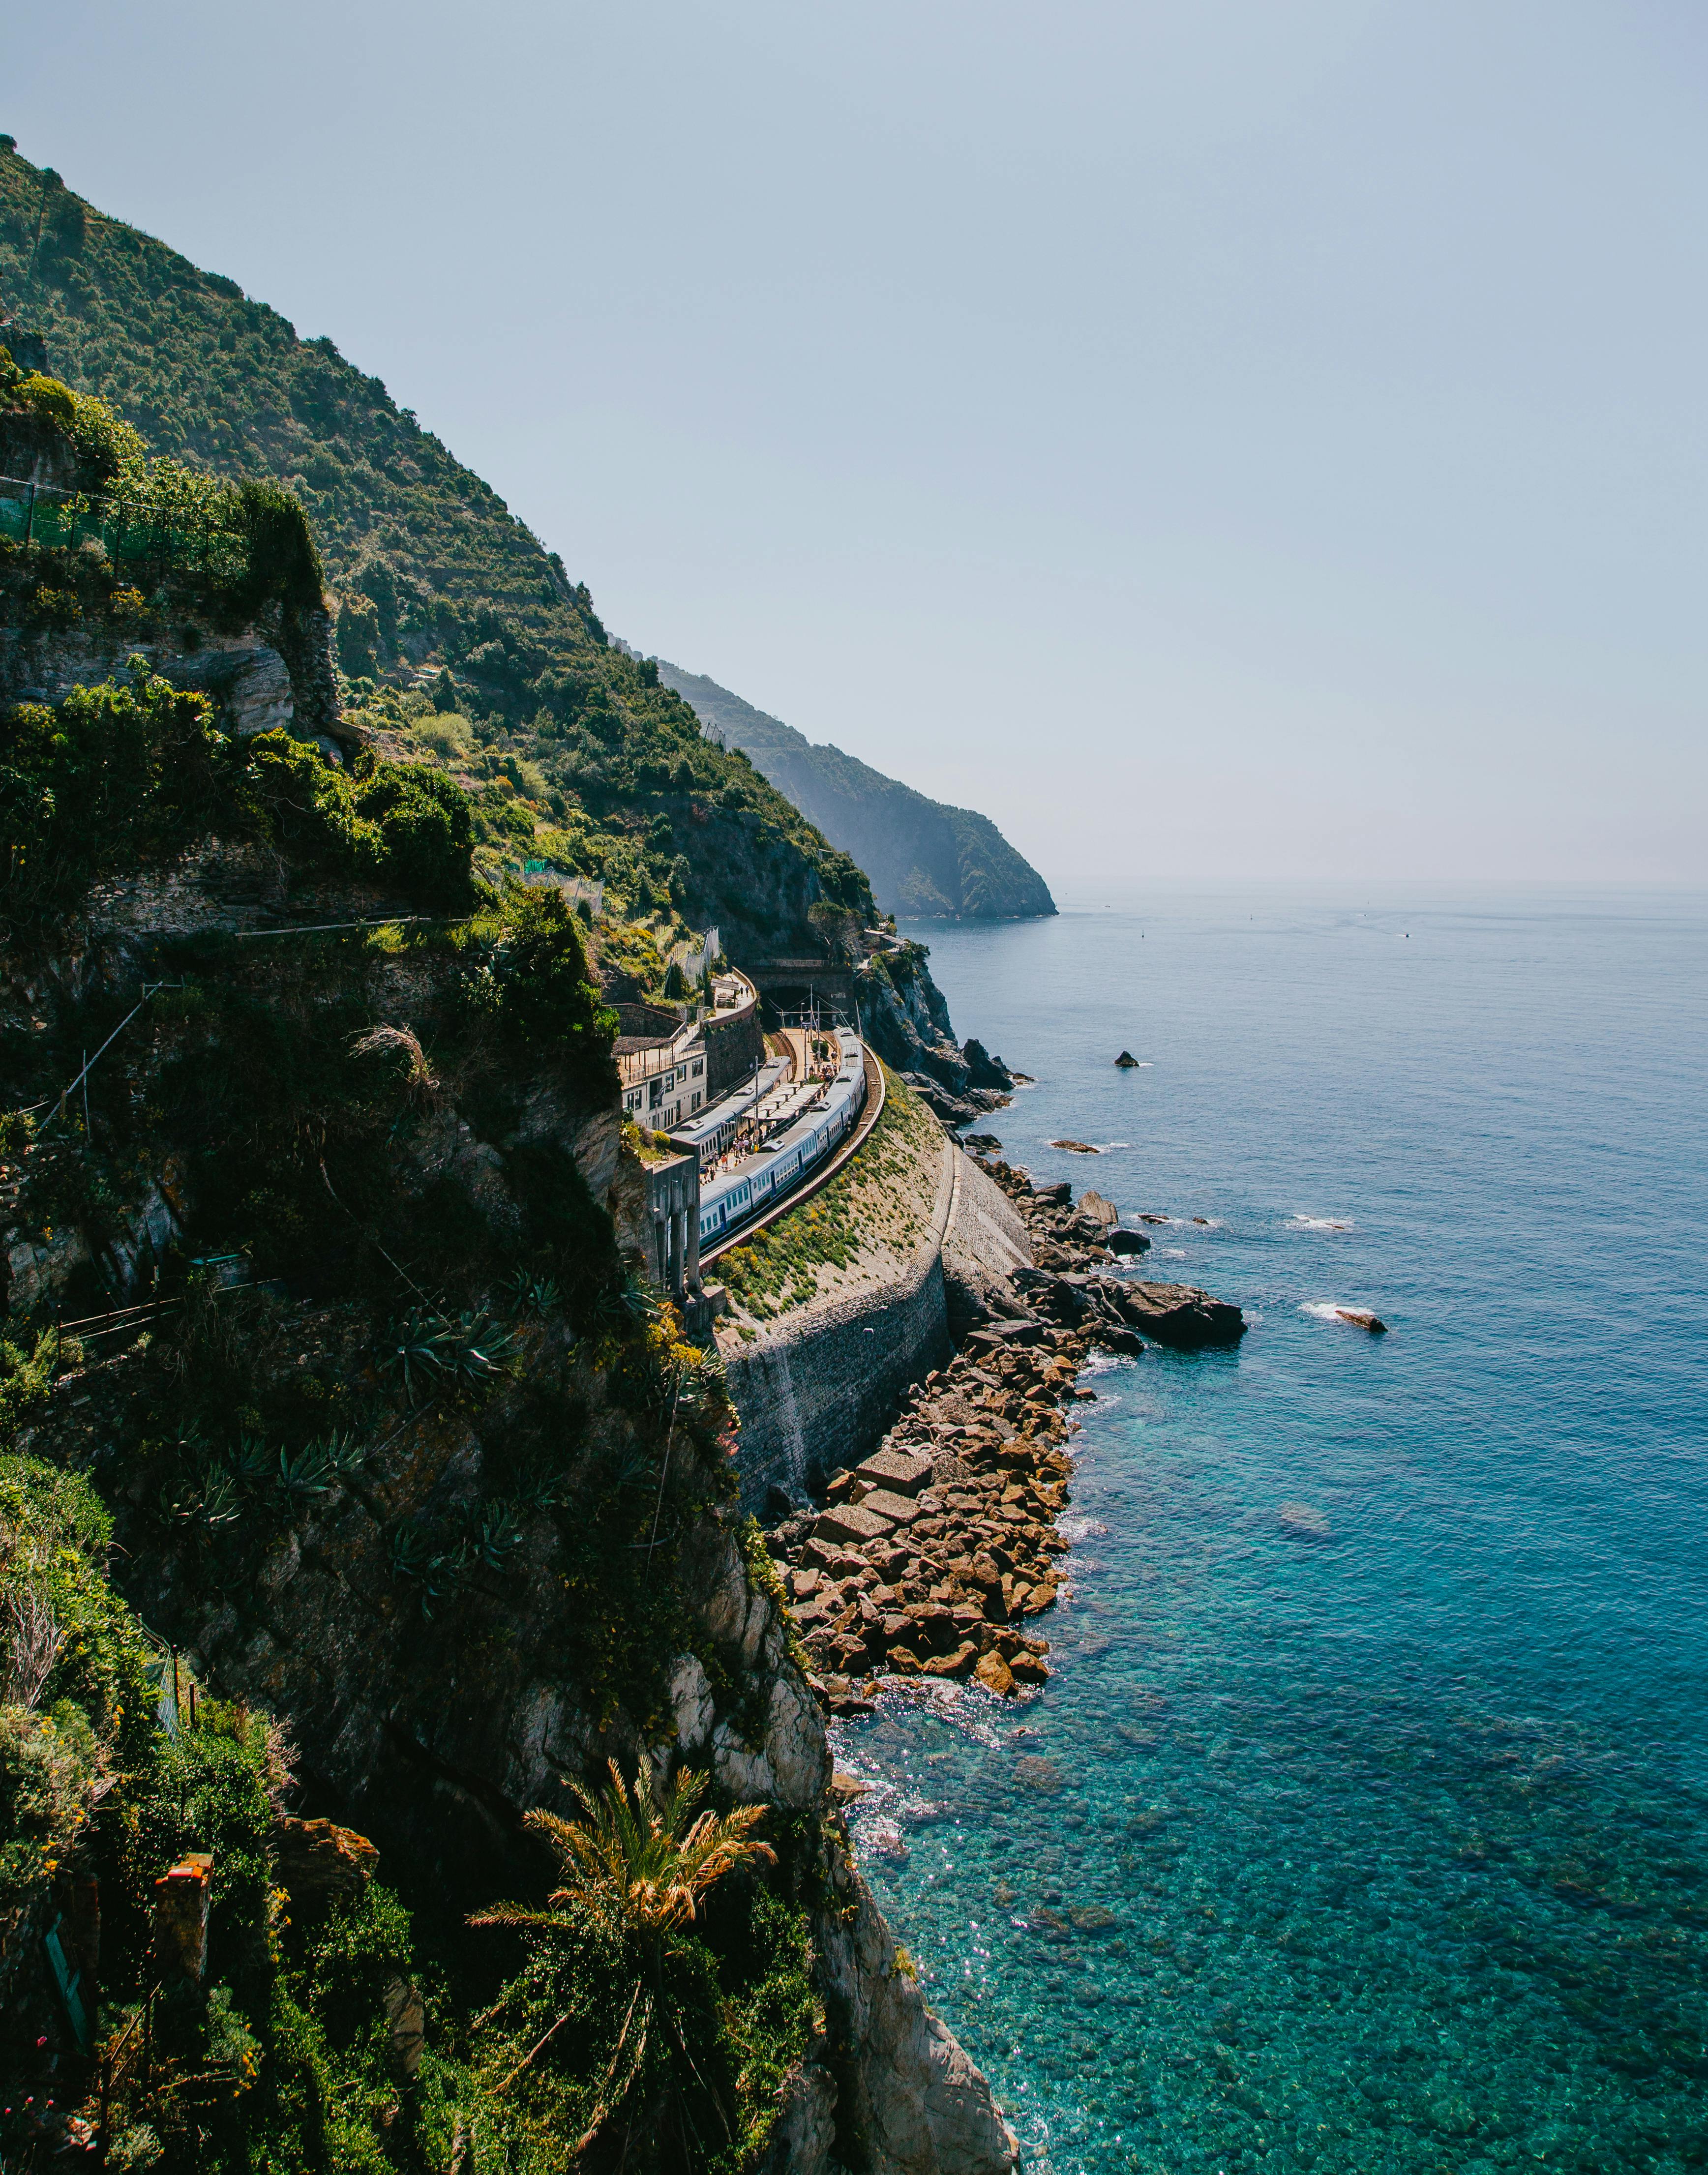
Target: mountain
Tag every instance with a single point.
(444, 601)
(925, 860)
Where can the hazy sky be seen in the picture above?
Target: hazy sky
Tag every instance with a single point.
(1226, 439)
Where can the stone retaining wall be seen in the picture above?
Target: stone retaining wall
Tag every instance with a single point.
(817, 1390)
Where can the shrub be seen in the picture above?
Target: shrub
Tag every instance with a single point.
(115, 775)
(283, 559)
(451, 737)
(426, 828)
(403, 824)
(546, 1000)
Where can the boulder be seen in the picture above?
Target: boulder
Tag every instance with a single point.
(1098, 1210)
(1361, 1318)
(1076, 1148)
(1005, 1336)
(847, 1523)
(956, 1663)
(1127, 1060)
(1126, 1242)
(954, 1110)
(893, 1509)
(318, 1857)
(1179, 1315)
(983, 1070)
(994, 1674)
(897, 1471)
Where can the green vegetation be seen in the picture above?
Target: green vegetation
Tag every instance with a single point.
(119, 778)
(924, 859)
(871, 1201)
(287, 2058)
(436, 585)
(227, 552)
(686, 2060)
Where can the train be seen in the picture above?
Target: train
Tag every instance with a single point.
(734, 1197)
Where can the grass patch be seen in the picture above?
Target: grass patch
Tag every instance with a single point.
(868, 1203)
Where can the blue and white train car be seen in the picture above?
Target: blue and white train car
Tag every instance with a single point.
(734, 1196)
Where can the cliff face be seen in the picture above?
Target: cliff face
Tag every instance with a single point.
(394, 1451)
(925, 860)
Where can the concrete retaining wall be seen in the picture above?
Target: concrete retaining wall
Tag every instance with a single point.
(818, 1389)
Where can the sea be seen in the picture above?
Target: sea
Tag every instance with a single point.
(1362, 1824)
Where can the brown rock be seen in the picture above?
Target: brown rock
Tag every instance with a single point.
(956, 1664)
(994, 1674)
(851, 1521)
(894, 1510)
(318, 1857)
(897, 1470)
(1039, 1774)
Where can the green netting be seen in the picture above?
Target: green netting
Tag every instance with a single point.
(61, 520)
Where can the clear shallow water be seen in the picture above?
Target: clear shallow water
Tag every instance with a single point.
(1365, 1825)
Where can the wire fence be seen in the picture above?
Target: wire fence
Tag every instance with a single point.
(132, 534)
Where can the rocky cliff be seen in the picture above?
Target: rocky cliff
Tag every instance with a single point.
(926, 859)
(396, 1453)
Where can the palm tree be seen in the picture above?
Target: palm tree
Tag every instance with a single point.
(634, 1872)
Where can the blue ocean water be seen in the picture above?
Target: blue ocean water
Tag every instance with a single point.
(1364, 1824)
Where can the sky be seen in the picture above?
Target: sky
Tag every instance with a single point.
(1260, 439)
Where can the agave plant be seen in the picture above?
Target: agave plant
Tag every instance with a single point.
(474, 1349)
(207, 1497)
(343, 1452)
(429, 1569)
(413, 1352)
(429, 1351)
(540, 1491)
(618, 1306)
(634, 1871)
(305, 1474)
(490, 1534)
(250, 1461)
(531, 1294)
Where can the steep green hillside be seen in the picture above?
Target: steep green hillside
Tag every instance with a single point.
(442, 595)
(924, 858)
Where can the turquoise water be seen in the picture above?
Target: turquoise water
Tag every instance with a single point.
(1362, 1824)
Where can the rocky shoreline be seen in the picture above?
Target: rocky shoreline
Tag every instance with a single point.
(932, 1556)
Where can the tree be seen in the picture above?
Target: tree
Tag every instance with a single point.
(634, 1873)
